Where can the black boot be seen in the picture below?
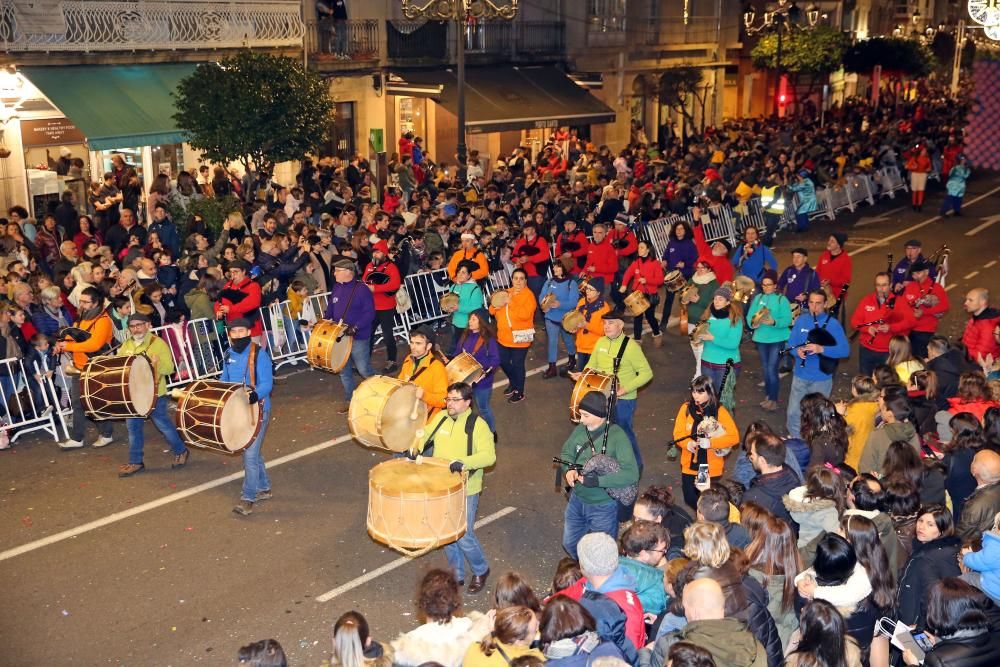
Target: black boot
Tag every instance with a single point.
(550, 372)
(569, 367)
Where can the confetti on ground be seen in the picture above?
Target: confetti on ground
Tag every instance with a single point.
(27, 521)
(65, 613)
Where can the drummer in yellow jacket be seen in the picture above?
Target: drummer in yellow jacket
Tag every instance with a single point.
(470, 448)
(425, 367)
(142, 341)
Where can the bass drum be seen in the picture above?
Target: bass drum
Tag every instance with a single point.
(464, 368)
(118, 387)
(590, 380)
(636, 304)
(218, 416)
(329, 346)
(386, 413)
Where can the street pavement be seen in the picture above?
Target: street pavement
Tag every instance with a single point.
(157, 570)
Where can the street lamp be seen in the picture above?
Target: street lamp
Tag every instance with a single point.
(459, 11)
(784, 17)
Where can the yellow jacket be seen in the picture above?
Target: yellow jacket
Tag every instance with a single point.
(860, 417)
(452, 443)
(475, 657)
(158, 352)
(430, 374)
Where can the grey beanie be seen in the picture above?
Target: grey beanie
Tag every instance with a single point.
(598, 555)
(725, 291)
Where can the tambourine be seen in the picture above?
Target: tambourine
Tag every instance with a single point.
(547, 301)
(573, 321)
(699, 332)
(762, 316)
(743, 289)
(449, 302)
(689, 294)
(500, 299)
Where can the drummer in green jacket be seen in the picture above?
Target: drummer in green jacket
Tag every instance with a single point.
(770, 333)
(142, 341)
(461, 436)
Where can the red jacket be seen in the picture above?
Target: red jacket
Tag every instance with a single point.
(534, 261)
(835, 270)
(978, 408)
(580, 254)
(931, 315)
(721, 266)
(604, 260)
(631, 243)
(899, 318)
(978, 337)
(627, 601)
(648, 268)
(245, 307)
(384, 295)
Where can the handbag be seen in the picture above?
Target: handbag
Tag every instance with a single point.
(519, 335)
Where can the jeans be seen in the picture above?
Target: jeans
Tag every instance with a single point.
(581, 518)
(340, 38)
(801, 222)
(553, 331)
(255, 474)
(951, 203)
(581, 360)
(104, 427)
(483, 390)
(800, 388)
(624, 411)
(869, 359)
(512, 362)
(360, 360)
(535, 284)
(8, 385)
(715, 374)
(769, 363)
(385, 319)
(467, 548)
(164, 425)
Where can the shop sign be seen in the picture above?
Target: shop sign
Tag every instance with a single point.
(50, 132)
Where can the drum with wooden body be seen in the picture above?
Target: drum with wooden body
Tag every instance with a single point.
(573, 321)
(674, 281)
(329, 346)
(449, 302)
(118, 387)
(743, 288)
(689, 294)
(547, 301)
(699, 331)
(636, 303)
(416, 506)
(218, 416)
(590, 380)
(464, 368)
(386, 413)
(762, 316)
(500, 299)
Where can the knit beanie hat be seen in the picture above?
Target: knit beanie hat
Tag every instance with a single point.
(595, 403)
(598, 554)
(725, 291)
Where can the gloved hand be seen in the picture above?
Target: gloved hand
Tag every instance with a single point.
(590, 479)
(252, 397)
(456, 466)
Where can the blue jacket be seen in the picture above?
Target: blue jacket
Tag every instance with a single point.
(234, 369)
(567, 294)
(360, 313)
(681, 251)
(957, 177)
(807, 195)
(167, 231)
(987, 562)
(800, 332)
(754, 265)
(609, 616)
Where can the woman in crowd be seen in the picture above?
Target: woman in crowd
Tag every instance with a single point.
(863, 535)
(922, 391)
(593, 307)
(470, 299)
(817, 505)
(770, 334)
(722, 342)
(934, 557)
(515, 332)
(51, 315)
(88, 232)
(991, 429)
(901, 501)
(966, 440)
(901, 359)
(901, 461)
(823, 640)
(645, 275)
(511, 590)
(480, 340)
(974, 396)
(569, 635)
(514, 630)
(958, 624)
(774, 562)
(565, 291)
(824, 430)
(353, 645)
(679, 255)
(884, 376)
(657, 504)
(897, 424)
(859, 413)
(697, 303)
(702, 442)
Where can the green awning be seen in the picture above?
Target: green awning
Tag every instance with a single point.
(115, 106)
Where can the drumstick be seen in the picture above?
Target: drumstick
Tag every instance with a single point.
(415, 412)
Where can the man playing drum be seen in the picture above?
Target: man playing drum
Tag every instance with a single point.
(94, 320)
(352, 302)
(425, 368)
(460, 435)
(250, 364)
(142, 341)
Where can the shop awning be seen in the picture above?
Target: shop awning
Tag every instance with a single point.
(115, 106)
(498, 99)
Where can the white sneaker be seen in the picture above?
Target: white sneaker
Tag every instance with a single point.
(103, 441)
(71, 444)
(47, 411)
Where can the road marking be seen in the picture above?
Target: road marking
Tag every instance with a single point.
(950, 287)
(990, 220)
(969, 276)
(881, 217)
(919, 225)
(399, 562)
(989, 264)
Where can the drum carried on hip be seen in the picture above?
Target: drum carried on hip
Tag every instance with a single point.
(118, 387)
(674, 281)
(218, 416)
(386, 413)
(590, 380)
(636, 304)
(329, 346)
(464, 368)
(416, 506)
(573, 321)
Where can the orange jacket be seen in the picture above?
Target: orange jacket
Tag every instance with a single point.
(477, 256)
(587, 337)
(100, 335)
(683, 426)
(518, 313)
(434, 380)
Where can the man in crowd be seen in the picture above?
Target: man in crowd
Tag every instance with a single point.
(929, 303)
(980, 509)
(424, 367)
(352, 303)
(713, 506)
(799, 279)
(878, 317)
(948, 364)
(983, 319)
(767, 455)
(469, 252)
(602, 261)
(902, 272)
(240, 298)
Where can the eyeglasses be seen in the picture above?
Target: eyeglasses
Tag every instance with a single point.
(454, 399)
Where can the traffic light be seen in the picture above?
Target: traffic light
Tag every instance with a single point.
(782, 99)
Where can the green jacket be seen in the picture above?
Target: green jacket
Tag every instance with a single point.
(199, 304)
(452, 443)
(873, 456)
(648, 584)
(156, 349)
(781, 313)
(705, 294)
(577, 448)
(727, 639)
(634, 371)
(470, 299)
(726, 344)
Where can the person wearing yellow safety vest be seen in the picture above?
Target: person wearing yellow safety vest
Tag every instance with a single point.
(772, 201)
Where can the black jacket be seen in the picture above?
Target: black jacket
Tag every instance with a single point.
(929, 563)
(978, 512)
(981, 650)
(948, 368)
(767, 490)
(676, 520)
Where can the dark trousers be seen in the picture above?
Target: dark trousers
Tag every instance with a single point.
(691, 493)
(512, 361)
(385, 319)
(668, 305)
(869, 359)
(649, 315)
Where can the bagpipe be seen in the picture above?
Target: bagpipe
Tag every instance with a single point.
(817, 336)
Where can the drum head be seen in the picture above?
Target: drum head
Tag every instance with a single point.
(239, 421)
(400, 478)
(142, 385)
(398, 431)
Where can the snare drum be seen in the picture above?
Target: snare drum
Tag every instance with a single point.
(636, 303)
(573, 321)
(118, 387)
(464, 368)
(449, 302)
(386, 413)
(218, 416)
(674, 281)
(415, 507)
(329, 346)
(500, 299)
(590, 380)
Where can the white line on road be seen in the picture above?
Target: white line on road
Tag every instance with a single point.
(989, 264)
(399, 562)
(950, 287)
(881, 217)
(989, 222)
(866, 248)
(969, 276)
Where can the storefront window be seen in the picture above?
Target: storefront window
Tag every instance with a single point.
(412, 115)
(132, 156)
(168, 159)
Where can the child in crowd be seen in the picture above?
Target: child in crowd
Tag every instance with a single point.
(859, 413)
(982, 568)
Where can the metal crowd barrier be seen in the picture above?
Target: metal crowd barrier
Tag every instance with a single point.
(27, 404)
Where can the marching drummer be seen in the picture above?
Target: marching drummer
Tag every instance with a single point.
(97, 329)
(425, 367)
(593, 308)
(460, 435)
(141, 341)
(352, 303)
(248, 363)
(590, 508)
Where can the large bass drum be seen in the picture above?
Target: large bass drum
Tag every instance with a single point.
(386, 413)
(329, 346)
(118, 387)
(218, 416)
(589, 380)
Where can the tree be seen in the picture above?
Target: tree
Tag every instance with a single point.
(899, 57)
(681, 85)
(814, 53)
(255, 109)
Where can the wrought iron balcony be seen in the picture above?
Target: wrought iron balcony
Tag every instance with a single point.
(97, 25)
(516, 40)
(675, 31)
(361, 42)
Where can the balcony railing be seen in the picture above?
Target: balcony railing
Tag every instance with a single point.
(671, 31)
(414, 40)
(361, 40)
(517, 40)
(95, 25)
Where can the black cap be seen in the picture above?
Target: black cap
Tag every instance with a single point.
(240, 264)
(616, 314)
(595, 403)
(238, 322)
(800, 251)
(913, 243)
(920, 265)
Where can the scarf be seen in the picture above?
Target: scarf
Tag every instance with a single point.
(720, 313)
(589, 308)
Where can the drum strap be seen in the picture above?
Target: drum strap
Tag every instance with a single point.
(503, 654)
(470, 427)
(252, 365)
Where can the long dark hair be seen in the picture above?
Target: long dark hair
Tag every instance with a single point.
(711, 408)
(773, 552)
(863, 535)
(823, 642)
(967, 433)
(821, 419)
(991, 428)
(487, 330)
(901, 460)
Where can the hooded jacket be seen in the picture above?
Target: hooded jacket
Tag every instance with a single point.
(619, 589)
(815, 516)
(978, 335)
(972, 649)
(948, 367)
(727, 639)
(767, 491)
(928, 564)
(648, 584)
(445, 643)
(878, 444)
(987, 562)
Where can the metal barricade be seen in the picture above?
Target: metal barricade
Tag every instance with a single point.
(719, 225)
(657, 232)
(286, 339)
(206, 347)
(840, 198)
(176, 338)
(889, 180)
(752, 215)
(824, 207)
(858, 190)
(425, 290)
(26, 404)
(497, 280)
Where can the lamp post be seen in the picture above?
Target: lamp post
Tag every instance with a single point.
(784, 17)
(460, 11)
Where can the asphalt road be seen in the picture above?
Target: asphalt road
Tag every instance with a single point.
(156, 570)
